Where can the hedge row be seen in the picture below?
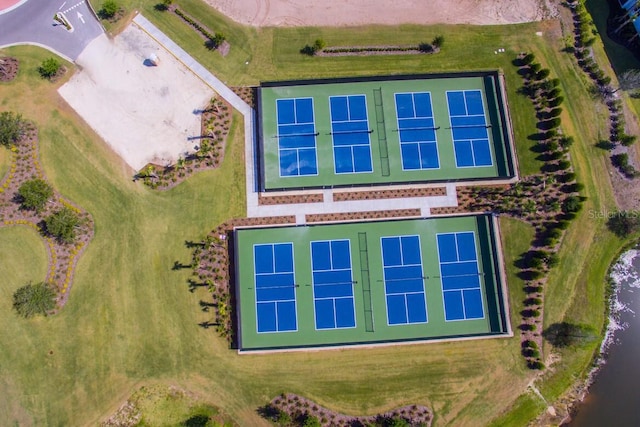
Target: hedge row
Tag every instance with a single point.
(213, 40)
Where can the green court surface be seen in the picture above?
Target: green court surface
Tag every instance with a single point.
(369, 282)
(384, 130)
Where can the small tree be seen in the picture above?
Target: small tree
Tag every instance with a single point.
(34, 194)
(62, 224)
(109, 9)
(31, 300)
(565, 334)
(624, 223)
(49, 68)
(11, 127)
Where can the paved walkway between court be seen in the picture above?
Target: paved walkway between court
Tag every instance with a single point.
(300, 210)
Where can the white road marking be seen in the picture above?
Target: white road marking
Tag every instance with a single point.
(62, 5)
(73, 7)
(80, 17)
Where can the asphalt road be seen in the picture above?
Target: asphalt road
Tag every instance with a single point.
(32, 22)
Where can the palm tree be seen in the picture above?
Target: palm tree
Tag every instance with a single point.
(180, 163)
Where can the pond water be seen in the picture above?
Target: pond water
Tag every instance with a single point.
(614, 397)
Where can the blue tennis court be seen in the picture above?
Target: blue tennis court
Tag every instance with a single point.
(351, 134)
(469, 128)
(332, 284)
(417, 131)
(460, 276)
(275, 287)
(403, 280)
(296, 137)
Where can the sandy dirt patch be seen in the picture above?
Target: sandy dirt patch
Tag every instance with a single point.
(262, 13)
(145, 113)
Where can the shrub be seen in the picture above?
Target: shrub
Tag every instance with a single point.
(566, 142)
(564, 164)
(536, 364)
(425, 47)
(576, 187)
(555, 112)
(554, 102)
(551, 146)
(572, 204)
(553, 260)
(533, 262)
(533, 289)
(319, 44)
(553, 232)
(554, 93)
(567, 177)
(163, 5)
(528, 58)
(530, 313)
(308, 50)
(438, 41)
(311, 421)
(620, 160)
(49, 68)
(11, 127)
(62, 224)
(34, 194)
(535, 274)
(31, 300)
(627, 140)
(552, 123)
(555, 155)
(109, 9)
(528, 327)
(543, 74)
(532, 301)
(213, 42)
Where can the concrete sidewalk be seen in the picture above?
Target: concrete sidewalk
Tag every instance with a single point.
(300, 210)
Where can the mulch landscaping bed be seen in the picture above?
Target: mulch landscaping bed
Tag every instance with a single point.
(449, 210)
(298, 407)
(215, 127)
(8, 68)
(62, 256)
(246, 93)
(204, 32)
(351, 216)
(210, 263)
(389, 194)
(294, 198)
(374, 50)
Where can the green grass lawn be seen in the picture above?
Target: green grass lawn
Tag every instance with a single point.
(5, 162)
(131, 320)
